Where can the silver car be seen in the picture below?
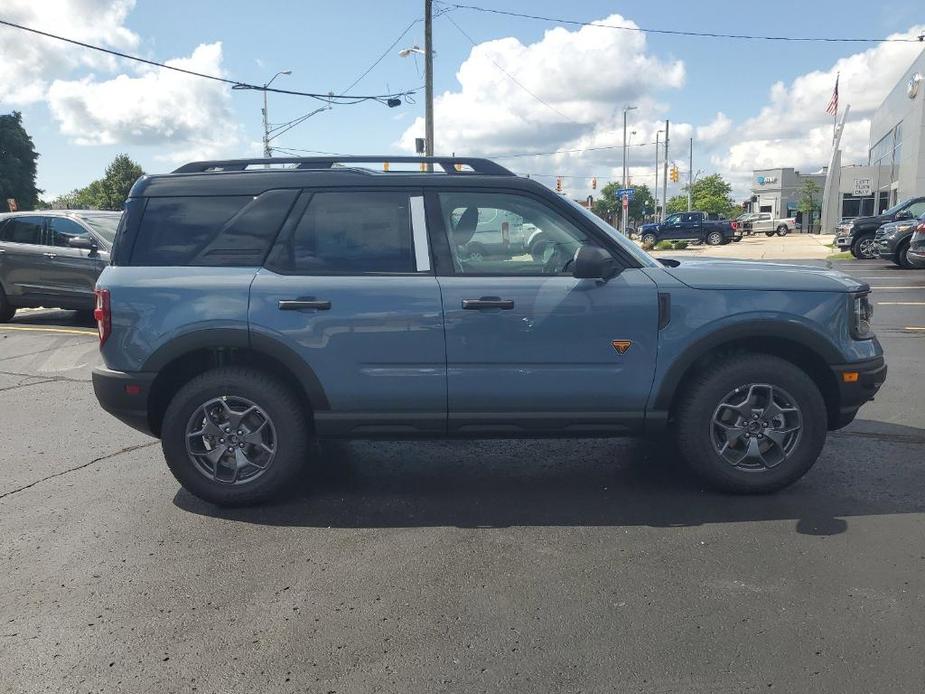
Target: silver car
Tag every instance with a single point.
(53, 257)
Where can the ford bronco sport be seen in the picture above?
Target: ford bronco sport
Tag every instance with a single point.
(250, 308)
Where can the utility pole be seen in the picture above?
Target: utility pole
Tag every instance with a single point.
(267, 150)
(690, 176)
(428, 81)
(625, 109)
(657, 135)
(665, 176)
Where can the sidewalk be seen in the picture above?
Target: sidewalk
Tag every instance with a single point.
(790, 247)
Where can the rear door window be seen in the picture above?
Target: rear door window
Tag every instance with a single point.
(23, 230)
(348, 233)
(209, 231)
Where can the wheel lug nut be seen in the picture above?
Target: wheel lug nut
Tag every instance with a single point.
(221, 440)
(240, 432)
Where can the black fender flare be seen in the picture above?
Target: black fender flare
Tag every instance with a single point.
(242, 338)
(792, 332)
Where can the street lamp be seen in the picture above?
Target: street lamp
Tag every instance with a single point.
(428, 53)
(625, 109)
(267, 152)
(658, 134)
(405, 52)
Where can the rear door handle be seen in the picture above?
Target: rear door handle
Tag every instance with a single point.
(306, 303)
(488, 302)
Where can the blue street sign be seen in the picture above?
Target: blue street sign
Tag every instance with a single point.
(628, 192)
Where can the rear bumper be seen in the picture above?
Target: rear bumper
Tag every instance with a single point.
(852, 394)
(916, 257)
(125, 396)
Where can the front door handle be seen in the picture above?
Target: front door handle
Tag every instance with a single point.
(50, 256)
(306, 303)
(488, 302)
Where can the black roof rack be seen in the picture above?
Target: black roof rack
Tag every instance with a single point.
(448, 164)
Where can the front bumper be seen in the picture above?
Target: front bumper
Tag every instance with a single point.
(843, 242)
(125, 396)
(886, 247)
(855, 390)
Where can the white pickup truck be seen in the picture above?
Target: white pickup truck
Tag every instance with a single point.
(764, 222)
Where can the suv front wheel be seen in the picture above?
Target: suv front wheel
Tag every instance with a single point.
(234, 436)
(754, 423)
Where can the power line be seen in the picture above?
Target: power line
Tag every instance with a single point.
(384, 54)
(677, 32)
(328, 98)
(570, 151)
(511, 77)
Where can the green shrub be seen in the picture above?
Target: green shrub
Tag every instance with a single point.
(663, 246)
(680, 245)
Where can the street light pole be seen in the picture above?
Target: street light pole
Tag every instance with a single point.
(428, 80)
(657, 134)
(267, 150)
(625, 109)
(665, 176)
(690, 176)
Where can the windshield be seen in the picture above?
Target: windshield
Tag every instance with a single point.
(897, 207)
(644, 258)
(103, 224)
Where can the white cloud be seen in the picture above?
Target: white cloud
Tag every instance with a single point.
(29, 61)
(578, 91)
(156, 107)
(720, 126)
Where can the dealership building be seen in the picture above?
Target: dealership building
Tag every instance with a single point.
(895, 169)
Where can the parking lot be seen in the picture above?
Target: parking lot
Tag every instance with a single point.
(594, 565)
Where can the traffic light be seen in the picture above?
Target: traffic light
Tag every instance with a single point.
(594, 183)
(558, 184)
(675, 174)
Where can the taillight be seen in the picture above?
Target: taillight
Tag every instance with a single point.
(102, 314)
(735, 225)
(920, 227)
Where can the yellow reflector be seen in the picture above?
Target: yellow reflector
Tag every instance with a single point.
(385, 166)
(849, 376)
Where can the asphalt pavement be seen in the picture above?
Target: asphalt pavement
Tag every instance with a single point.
(498, 566)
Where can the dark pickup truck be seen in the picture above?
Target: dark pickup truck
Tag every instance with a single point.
(691, 226)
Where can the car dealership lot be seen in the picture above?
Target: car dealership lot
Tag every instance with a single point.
(588, 565)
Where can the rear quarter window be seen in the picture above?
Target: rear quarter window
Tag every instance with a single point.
(209, 231)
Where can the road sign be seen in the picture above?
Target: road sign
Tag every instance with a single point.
(626, 192)
(862, 186)
(626, 202)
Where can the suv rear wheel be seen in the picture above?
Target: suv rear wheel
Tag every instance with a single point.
(234, 435)
(752, 424)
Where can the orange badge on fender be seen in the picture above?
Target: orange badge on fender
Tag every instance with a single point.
(622, 345)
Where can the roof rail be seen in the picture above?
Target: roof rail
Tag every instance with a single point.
(448, 164)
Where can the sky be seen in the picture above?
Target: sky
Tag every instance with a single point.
(506, 87)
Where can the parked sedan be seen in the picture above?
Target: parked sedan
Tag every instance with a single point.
(52, 258)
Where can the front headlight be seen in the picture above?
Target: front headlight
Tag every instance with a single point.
(861, 313)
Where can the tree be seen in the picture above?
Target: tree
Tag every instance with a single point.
(106, 193)
(120, 175)
(608, 206)
(708, 194)
(17, 163)
(810, 203)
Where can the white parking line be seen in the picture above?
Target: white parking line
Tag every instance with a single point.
(912, 327)
(901, 303)
(892, 288)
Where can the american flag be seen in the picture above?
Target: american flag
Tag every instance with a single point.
(832, 108)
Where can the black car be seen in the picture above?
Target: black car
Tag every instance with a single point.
(859, 236)
(893, 240)
(52, 258)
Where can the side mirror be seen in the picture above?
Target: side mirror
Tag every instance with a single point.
(905, 214)
(84, 243)
(594, 263)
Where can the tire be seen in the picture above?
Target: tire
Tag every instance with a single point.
(902, 258)
(6, 311)
(235, 389)
(864, 247)
(715, 238)
(649, 239)
(769, 233)
(699, 437)
(782, 230)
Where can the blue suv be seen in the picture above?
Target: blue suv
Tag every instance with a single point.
(250, 309)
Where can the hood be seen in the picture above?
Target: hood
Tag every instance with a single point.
(649, 226)
(747, 274)
(871, 221)
(901, 225)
